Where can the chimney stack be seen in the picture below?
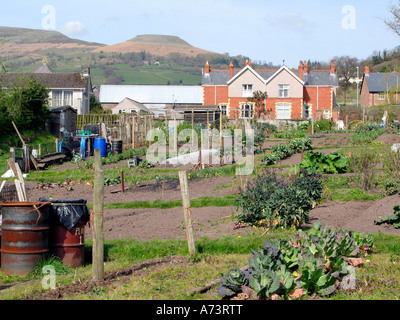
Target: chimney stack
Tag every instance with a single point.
(207, 68)
(85, 72)
(333, 67)
(250, 63)
(231, 70)
(301, 70)
(305, 67)
(366, 70)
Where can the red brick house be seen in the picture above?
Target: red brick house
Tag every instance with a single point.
(292, 94)
(379, 88)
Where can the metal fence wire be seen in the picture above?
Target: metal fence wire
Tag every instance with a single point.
(9, 194)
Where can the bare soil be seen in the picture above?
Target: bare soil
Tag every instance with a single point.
(214, 222)
(211, 222)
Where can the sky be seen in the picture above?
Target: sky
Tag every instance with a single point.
(263, 30)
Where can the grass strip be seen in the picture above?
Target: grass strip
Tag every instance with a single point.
(224, 201)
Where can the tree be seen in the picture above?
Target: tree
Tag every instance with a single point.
(95, 106)
(258, 99)
(346, 68)
(26, 103)
(393, 23)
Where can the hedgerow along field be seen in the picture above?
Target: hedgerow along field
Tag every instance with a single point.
(283, 259)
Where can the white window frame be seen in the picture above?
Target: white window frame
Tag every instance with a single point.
(326, 114)
(246, 108)
(283, 91)
(121, 111)
(307, 109)
(224, 109)
(247, 90)
(56, 98)
(62, 98)
(381, 96)
(281, 105)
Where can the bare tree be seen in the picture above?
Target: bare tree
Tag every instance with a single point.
(346, 69)
(394, 21)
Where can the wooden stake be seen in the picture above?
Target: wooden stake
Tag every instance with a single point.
(187, 211)
(22, 182)
(122, 182)
(98, 209)
(19, 190)
(175, 136)
(2, 185)
(15, 127)
(220, 130)
(192, 128)
(133, 132)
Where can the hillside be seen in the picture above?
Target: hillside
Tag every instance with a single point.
(157, 45)
(144, 59)
(29, 36)
(23, 43)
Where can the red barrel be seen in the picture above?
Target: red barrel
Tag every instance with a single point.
(68, 245)
(24, 238)
(67, 229)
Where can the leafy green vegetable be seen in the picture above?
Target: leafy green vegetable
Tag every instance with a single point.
(273, 202)
(312, 261)
(334, 162)
(391, 219)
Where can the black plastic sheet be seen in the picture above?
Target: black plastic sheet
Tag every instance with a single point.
(69, 212)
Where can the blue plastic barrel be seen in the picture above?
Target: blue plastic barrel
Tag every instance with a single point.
(100, 143)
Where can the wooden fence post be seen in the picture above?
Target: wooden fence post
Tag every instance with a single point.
(192, 128)
(98, 209)
(133, 132)
(175, 136)
(220, 130)
(187, 211)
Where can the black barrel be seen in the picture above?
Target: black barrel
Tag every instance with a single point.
(116, 146)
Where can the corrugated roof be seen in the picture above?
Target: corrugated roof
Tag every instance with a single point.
(380, 82)
(152, 94)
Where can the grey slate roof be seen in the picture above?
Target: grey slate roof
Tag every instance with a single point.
(320, 78)
(313, 78)
(52, 80)
(380, 82)
(44, 68)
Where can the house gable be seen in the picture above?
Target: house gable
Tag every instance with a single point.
(285, 77)
(283, 69)
(247, 77)
(244, 70)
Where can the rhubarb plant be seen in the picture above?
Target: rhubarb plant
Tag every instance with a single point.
(314, 261)
(392, 219)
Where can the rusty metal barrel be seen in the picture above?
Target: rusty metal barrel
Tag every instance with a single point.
(67, 230)
(68, 245)
(24, 236)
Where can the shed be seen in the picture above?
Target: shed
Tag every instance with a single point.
(199, 113)
(62, 122)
